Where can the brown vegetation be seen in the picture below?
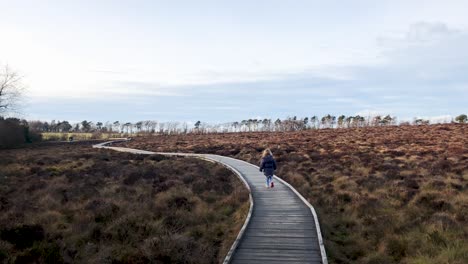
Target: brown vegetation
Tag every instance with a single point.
(383, 194)
(65, 203)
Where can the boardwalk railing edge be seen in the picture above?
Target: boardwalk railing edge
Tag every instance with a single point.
(317, 224)
(234, 245)
(312, 209)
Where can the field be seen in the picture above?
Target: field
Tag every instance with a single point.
(383, 194)
(56, 136)
(69, 203)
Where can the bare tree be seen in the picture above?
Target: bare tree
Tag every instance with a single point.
(185, 128)
(172, 127)
(11, 90)
(161, 127)
(152, 125)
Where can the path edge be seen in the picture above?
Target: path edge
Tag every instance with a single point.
(312, 209)
(240, 235)
(317, 224)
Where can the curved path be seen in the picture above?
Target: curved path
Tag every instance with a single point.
(281, 227)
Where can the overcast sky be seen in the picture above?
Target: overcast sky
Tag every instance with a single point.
(219, 61)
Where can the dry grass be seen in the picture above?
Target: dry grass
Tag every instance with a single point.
(70, 203)
(56, 136)
(383, 194)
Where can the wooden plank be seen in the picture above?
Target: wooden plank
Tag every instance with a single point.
(281, 229)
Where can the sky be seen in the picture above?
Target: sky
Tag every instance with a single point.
(221, 61)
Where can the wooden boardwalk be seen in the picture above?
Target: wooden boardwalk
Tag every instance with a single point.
(281, 227)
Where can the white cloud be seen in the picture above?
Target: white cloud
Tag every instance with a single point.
(289, 59)
(425, 31)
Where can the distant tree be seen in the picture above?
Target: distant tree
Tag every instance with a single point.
(85, 126)
(172, 127)
(127, 126)
(235, 125)
(139, 125)
(461, 118)
(150, 126)
(197, 124)
(37, 126)
(64, 126)
(99, 125)
(306, 121)
(387, 120)
(357, 121)
(108, 126)
(332, 121)
(162, 126)
(243, 125)
(341, 120)
(314, 120)
(266, 124)
(349, 121)
(53, 126)
(46, 127)
(376, 121)
(153, 125)
(147, 125)
(324, 121)
(116, 125)
(328, 121)
(184, 127)
(11, 90)
(278, 124)
(420, 121)
(254, 124)
(249, 124)
(361, 121)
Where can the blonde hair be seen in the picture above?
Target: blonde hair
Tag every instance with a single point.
(267, 152)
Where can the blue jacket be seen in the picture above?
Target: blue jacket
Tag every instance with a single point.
(268, 165)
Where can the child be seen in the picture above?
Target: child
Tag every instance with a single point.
(268, 166)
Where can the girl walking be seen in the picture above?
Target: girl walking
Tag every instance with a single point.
(268, 166)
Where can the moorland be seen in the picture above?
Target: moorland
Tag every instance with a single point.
(394, 194)
(69, 203)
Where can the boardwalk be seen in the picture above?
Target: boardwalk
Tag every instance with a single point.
(280, 228)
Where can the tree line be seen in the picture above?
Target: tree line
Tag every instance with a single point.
(11, 90)
(247, 125)
(14, 132)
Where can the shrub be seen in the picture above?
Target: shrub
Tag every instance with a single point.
(108, 207)
(11, 133)
(396, 247)
(23, 236)
(15, 132)
(378, 258)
